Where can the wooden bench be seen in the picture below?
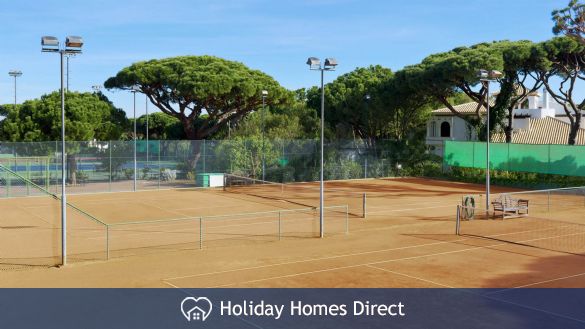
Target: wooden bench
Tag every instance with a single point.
(510, 207)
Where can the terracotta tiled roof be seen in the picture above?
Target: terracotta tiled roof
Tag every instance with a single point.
(467, 108)
(542, 131)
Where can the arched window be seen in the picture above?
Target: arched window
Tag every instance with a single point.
(445, 129)
(433, 129)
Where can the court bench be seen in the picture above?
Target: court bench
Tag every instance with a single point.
(510, 207)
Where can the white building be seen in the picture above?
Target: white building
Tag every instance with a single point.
(537, 120)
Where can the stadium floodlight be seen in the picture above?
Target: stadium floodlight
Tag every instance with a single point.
(49, 44)
(73, 45)
(15, 74)
(264, 95)
(315, 65)
(485, 76)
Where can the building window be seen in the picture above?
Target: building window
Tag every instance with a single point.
(445, 129)
(433, 129)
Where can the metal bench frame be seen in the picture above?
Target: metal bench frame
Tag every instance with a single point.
(510, 207)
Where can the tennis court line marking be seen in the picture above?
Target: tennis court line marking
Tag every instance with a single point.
(409, 276)
(315, 259)
(348, 266)
(540, 282)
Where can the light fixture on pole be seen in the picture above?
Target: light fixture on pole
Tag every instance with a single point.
(264, 95)
(485, 77)
(73, 45)
(96, 88)
(315, 65)
(134, 90)
(15, 74)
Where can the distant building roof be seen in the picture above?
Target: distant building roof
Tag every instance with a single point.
(542, 131)
(467, 108)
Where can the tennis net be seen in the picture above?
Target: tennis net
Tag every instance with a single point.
(30, 228)
(546, 219)
(298, 194)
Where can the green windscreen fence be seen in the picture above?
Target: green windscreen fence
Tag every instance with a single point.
(545, 159)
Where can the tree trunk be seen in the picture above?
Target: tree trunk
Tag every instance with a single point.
(508, 130)
(71, 169)
(575, 130)
(195, 147)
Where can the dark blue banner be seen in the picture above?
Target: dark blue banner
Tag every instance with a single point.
(292, 308)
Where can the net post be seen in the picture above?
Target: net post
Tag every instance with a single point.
(364, 206)
(107, 242)
(279, 225)
(200, 233)
(346, 219)
(458, 221)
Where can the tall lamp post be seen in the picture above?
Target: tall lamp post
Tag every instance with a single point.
(264, 95)
(15, 74)
(134, 90)
(315, 65)
(73, 45)
(485, 77)
(146, 108)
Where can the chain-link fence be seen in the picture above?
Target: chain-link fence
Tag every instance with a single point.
(104, 166)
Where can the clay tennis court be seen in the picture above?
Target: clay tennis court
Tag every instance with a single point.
(253, 238)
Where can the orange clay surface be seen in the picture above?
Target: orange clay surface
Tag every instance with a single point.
(193, 238)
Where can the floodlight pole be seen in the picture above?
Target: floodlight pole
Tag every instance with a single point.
(63, 190)
(329, 65)
(264, 94)
(146, 107)
(15, 74)
(487, 164)
(73, 45)
(135, 162)
(321, 182)
(485, 77)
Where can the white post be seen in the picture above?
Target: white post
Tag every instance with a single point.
(487, 166)
(135, 162)
(321, 187)
(63, 191)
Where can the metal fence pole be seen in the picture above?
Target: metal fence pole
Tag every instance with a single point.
(110, 168)
(200, 232)
(458, 221)
(159, 164)
(279, 225)
(27, 168)
(107, 242)
(47, 176)
(366, 169)
(204, 156)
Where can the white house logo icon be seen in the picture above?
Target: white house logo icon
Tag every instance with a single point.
(196, 309)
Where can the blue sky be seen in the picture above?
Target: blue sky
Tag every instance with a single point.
(273, 36)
